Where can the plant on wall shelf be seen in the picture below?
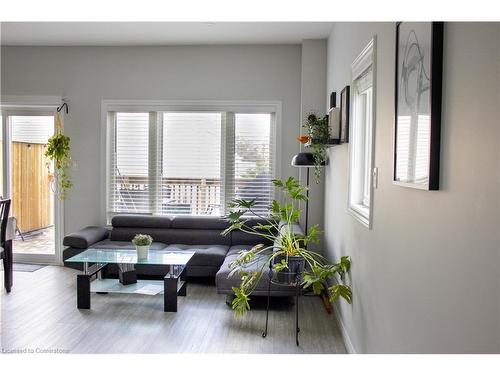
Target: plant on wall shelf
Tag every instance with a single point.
(58, 152)
(318, 135)
(291, 261)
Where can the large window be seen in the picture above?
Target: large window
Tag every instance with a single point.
(361, 146)
(188, 162)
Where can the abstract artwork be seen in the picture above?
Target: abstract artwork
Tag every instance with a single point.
(419, 54)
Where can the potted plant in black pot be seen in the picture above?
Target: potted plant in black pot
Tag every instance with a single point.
(291, 262)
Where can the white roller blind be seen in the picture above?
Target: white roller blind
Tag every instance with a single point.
(32, 129)
(168, 163)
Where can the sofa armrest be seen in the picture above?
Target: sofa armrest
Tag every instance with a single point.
(295, 228)
(86, 237)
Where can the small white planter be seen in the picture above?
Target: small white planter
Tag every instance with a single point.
(142, 251)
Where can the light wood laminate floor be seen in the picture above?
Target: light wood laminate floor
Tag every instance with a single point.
(41, 312)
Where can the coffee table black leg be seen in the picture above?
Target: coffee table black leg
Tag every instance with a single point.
(183, 289)
(170, 293)
(83, 291)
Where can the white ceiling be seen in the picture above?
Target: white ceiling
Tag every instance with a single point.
(159, 33)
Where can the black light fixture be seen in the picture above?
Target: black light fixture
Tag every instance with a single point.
(305, 160)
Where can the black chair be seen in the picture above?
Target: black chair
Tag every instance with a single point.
(5, 244)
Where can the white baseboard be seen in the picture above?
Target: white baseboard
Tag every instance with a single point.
(347, 340)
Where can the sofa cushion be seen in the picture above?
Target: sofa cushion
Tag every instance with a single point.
(85, 237)
(141, 221)
(125, 245)
(242, 238)
(199, 222)
(205, 255)
(128, 233)
(195, 237)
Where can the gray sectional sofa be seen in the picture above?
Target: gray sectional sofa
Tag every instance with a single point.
(213, 251)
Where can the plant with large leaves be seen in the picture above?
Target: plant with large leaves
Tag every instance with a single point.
(286, 243)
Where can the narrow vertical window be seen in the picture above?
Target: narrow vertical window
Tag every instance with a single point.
(129, 180)
(361, 145)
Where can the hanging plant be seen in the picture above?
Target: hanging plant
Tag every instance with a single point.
(58, 153)
(317, 138)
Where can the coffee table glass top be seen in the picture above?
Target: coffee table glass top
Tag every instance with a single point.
(122, 256)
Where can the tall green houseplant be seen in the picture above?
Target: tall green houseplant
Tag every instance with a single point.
(58, 152)
(286, 245)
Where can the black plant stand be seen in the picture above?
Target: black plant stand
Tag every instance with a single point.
(297, 295)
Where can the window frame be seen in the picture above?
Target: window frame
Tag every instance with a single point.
(361, 184)
(107, 106)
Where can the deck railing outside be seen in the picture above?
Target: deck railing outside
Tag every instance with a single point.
(182, 195)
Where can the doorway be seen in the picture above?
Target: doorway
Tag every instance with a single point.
(29, 182)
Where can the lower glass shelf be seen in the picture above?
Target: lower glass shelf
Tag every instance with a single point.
(148, 287)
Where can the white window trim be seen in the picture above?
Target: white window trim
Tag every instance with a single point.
(365, 60)
(272, 106)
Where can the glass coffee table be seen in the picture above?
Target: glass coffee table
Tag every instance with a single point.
(95, 260)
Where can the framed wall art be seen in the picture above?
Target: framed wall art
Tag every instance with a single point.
(333, 120)
(418, 91)
(344, 114)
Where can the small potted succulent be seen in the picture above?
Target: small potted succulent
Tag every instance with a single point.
(142, 243)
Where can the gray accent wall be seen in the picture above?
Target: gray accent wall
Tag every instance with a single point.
(425, 278)
(87, 75)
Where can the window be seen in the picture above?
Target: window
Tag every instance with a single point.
(361, 146)
(188, 162)
(253, 164)
(191, 163)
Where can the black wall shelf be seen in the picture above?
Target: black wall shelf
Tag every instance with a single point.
(331, 142)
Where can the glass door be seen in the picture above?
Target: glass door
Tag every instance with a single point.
(30, 184)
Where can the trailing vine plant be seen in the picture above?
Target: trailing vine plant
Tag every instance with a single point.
(58, 152)
(318, 137)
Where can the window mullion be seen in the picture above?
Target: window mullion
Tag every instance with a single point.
(154, 158)
(111, 186)
(227, 162)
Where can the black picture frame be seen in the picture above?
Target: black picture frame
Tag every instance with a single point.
(333, 120)
(345, 95)
(406, 155)
(333, 100)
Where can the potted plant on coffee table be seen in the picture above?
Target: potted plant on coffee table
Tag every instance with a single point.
(288, 255)
(142, 243)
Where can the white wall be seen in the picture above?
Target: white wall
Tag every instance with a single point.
(87, 75)
(426, 277)
(313, 86)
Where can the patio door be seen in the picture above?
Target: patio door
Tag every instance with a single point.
(29, 182)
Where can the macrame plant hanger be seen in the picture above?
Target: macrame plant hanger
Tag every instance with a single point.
(58, 117)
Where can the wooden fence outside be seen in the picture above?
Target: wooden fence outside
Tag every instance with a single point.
(32, 195)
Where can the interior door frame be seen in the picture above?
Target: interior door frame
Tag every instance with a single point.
(33, 110)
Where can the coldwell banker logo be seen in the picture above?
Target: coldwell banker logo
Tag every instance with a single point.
(35, 351)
